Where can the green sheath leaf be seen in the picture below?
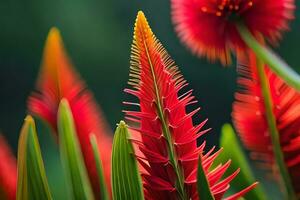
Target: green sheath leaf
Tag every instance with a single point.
(103, 188)
(202, 183)
(71, 155)
(126, 179)
(32, 181)
(233, 151)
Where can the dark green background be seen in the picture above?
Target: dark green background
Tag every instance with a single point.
(98, 35)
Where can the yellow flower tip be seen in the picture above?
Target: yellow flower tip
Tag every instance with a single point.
(64, 102)
(142, 30)
(122, 124)
(29, 119)
(141, 15)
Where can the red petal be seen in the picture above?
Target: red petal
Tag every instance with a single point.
(8, 171)
(251, 122)
(164, 124)
(58, 79)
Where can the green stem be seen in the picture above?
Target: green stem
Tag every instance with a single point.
(280, 67)
(279, 158)
(167, 134)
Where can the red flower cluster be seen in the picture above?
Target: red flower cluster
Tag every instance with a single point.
(8, 172)
(59, 80)
(251, 121)
(168, 136)
(208, 27)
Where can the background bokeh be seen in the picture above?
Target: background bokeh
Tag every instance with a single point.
(97, 35)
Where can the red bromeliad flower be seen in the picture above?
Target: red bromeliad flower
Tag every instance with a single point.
(251, 121)
(208, 27)
(8, 172)
(59, 80)
(168, 136)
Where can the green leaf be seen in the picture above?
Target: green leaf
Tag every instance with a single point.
(103, 188)
(71, 155)
(126, 179)
(233, 151)
(202, 183)
(32, 181)
(277, 64)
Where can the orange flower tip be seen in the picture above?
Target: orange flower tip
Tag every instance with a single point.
(54, 47)
(142, 27)
(140, 14)
(54, 36)
(141, 18)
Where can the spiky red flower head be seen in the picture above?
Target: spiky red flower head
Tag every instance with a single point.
(251, 121)
(59, 80)
(8, 172)
(208, 27)
(168, 137)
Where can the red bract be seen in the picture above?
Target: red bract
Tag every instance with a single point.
(168, 136)
(8, 172)
(208, 27)
(59, 80)
(251, 121)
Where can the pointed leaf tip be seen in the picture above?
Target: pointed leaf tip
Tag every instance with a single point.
(32, 180)
(104, 194)
(126, 179)
(29, 119)
(64, 102)
(203, 187)
(122, 124)
(71, 155)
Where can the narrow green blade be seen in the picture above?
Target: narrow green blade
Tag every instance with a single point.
(32, 181)
(126, 179)
(202, 183)
(103, 188)
(232, 150)
(71, 156)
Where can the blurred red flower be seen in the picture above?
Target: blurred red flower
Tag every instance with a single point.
(208, 27)
(8, 172)
(58, 80)
(168, 136)
(250, 118)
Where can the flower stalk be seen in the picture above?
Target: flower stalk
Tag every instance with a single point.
(274, 134)
(166, 132)
(280, 67)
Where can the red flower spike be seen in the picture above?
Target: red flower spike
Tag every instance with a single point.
(58, 80)
(251, 122)
(8, 172)
(208, 27)
(168, 136)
